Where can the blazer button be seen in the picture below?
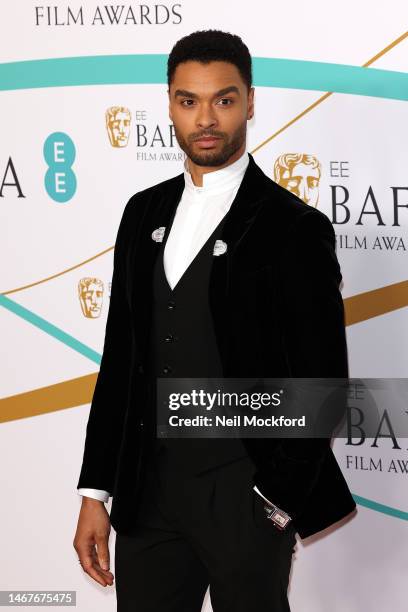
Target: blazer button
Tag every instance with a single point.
(140, 368)
(166, 369)
(171, 304)
(169, 338)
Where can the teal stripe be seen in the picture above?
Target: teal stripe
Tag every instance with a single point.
(339, 78)
(84, 350)
(50, 329)
(151, 68)
(373, 505)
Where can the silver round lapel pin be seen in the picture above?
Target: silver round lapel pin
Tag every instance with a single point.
(158, 234)
(220, 247)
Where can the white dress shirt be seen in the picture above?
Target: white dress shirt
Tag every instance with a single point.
(198, 213)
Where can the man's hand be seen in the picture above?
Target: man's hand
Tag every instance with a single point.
(91, 540)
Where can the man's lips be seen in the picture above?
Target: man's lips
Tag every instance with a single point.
(207, 140)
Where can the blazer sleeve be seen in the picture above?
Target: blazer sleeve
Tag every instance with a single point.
(109, 401)
(312, 315)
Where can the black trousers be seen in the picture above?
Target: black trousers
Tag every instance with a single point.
(196, 531)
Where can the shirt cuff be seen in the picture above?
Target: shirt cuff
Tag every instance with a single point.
(259, 493)
(95, 494)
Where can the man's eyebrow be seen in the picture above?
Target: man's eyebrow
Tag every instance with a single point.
(221, 92)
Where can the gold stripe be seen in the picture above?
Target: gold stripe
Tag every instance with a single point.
(67, 394)
(370, 304)
(386, 49)
(44, 280)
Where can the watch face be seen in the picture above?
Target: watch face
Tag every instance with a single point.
(280, 519)
(266, 511)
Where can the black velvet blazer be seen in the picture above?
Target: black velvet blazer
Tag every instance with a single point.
(277, 311)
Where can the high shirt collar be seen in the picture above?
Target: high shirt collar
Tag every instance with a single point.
(217, 181)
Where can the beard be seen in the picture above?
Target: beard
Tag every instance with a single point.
(211, 157)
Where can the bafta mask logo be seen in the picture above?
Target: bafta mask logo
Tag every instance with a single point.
(118, 125)
(299, 173)
(90, 292)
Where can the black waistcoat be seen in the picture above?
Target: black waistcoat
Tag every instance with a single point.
(183, 344)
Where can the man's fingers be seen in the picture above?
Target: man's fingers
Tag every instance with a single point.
(106, 575)
(102, 550)
(88, 559)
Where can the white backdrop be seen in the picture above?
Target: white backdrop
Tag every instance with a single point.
(51, 345)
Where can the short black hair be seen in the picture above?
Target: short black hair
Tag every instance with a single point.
(211, 45)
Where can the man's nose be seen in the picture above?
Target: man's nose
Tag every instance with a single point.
(206, 117)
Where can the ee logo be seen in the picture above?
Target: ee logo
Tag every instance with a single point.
(59, 154)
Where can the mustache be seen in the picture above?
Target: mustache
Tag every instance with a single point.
(206, 134)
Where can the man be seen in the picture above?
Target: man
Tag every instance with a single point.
(218, 271)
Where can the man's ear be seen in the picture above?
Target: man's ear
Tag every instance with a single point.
(251, 109)
(168, 93)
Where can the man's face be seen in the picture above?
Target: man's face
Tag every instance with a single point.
(209, 100)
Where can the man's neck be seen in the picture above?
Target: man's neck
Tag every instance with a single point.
(197, 171)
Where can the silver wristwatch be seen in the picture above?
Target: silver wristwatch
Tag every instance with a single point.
(279, 517)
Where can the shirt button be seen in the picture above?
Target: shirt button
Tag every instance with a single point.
(171, 305)
(166, 369)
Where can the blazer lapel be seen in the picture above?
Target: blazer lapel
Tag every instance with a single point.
(245, 205)
(145, 250)
(241, 215)
(250, 196)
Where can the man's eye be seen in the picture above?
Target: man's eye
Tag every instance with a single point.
(227, 100)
